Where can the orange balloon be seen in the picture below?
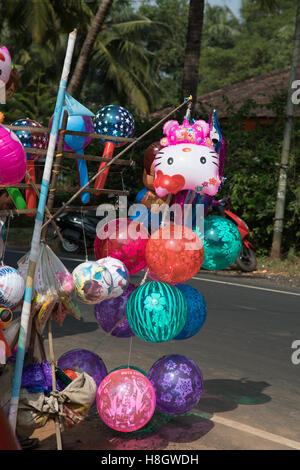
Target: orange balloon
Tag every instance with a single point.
(174, 253)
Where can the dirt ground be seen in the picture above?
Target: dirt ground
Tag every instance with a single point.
(162, 433)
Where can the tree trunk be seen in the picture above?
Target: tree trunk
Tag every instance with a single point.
(81, 67)
(192, 51)
(281, 192)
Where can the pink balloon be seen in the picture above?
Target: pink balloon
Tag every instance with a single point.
(125, 240)
(5, 64)
(12, 158)
(126, 400)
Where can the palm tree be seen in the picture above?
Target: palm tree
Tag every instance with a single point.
(83, 60)
(221, 27)
(192, 52)
(121, 66)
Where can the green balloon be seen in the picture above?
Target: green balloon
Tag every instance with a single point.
(156, 311)
(17, 198)
(222, 242)
(130, 367)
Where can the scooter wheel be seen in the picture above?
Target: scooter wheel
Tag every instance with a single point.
(70, 247)
(246, 260)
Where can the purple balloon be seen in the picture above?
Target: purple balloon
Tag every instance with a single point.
(85, 360)
(110, 312)
(178, 383)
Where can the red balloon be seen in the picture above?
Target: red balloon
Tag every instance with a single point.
(174, 253)
(125, 240)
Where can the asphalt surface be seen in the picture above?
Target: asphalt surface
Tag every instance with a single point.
(251, 394)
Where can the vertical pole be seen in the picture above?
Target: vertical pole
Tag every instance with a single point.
(282, 183)
(56, 169)
(35, 242)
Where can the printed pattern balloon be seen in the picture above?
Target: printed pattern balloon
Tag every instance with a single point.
(111, 314)
(178, 383)
(28, 139)
(115, 121)
(126, 400)
(196, 311)
(125, 240)
(119, 274)
(222, 242)
(93, 282)
(174, 254)
(12, 287)
(12, 158)
(156, 311)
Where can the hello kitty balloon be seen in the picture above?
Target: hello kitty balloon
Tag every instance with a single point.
(188, 159)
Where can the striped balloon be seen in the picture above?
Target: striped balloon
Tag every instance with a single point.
(156, 311)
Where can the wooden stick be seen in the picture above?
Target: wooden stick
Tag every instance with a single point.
(46, 207)
(55, 173)
(92, 135)
(52, 362)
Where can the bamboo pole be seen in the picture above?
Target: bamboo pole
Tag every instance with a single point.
(35, 243)
(57, 419)
(83, 188)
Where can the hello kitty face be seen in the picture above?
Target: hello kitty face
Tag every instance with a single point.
(186, 166)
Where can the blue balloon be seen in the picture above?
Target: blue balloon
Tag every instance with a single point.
(196, 311)
(116, 121)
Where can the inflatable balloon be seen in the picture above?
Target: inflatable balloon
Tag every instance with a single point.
(77, 144)
(196, 311)
(178, 383)
(85, 360)
(12, 158)
(222, 242)
(130, 367)
(93, 282)
(34, 140)
(12, 287)
(125, 240)
(6, 317)
(38, 141)
(156, 312)
(119, 274)
(188, 160)
(173, 254)
(111, 314)
(5, 64)
(5, 69)
(115, 121)
(125, 400)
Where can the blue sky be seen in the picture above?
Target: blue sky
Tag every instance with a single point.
(234, 5)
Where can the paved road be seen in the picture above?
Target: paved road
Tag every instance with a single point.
(251, 398)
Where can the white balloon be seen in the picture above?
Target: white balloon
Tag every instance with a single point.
(12, 287)
(119, 274)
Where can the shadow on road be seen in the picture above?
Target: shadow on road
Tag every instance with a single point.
(222, 395)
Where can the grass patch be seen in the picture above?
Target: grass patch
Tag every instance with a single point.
(289, 266)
